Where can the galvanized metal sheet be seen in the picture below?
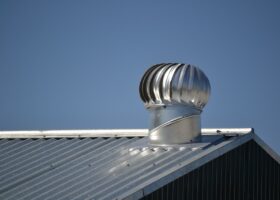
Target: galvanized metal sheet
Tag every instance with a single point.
(109, 133)
(97, 168)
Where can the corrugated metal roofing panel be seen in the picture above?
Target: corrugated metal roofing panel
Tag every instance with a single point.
(98, 168)
(246, 172)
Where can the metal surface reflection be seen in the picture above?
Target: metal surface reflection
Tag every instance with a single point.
(175, 95)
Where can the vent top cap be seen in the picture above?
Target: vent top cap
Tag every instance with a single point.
(174, 83)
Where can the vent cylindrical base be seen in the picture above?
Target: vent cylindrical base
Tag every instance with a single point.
(179, 131)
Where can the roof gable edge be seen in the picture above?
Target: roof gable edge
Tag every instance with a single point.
(185, 167)
(267, 148)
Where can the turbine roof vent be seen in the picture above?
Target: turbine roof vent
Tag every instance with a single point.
(174, 83)
(175, 95)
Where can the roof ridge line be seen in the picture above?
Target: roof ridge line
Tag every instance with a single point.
(84, 133)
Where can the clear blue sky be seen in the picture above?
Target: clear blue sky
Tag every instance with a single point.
(77, 64)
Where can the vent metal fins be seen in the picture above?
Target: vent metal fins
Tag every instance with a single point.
(174, 83)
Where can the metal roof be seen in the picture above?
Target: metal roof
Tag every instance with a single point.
(116, 165)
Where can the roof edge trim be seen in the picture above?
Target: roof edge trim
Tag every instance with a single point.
(110, 133)
(267, 148)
